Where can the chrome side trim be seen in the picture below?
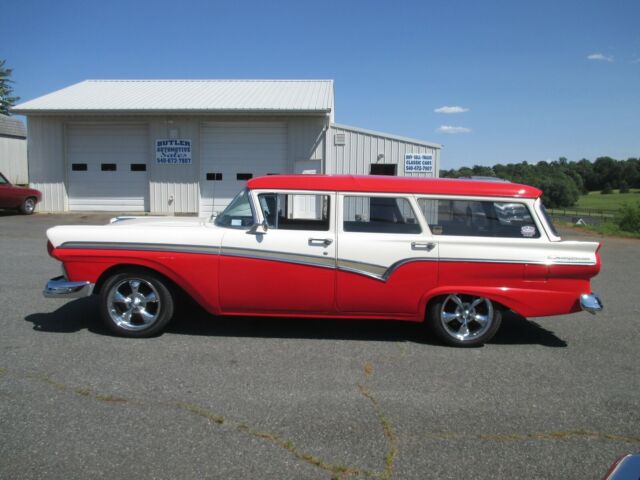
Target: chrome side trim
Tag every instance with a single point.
(312, 260)
(530, 262)
(59, 287)
(367, 269)
(378, 272)
(148, 247)
(591, 303)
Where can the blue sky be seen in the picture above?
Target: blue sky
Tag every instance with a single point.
(522, 69)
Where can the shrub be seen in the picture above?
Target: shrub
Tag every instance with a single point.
(628, 217)
(606, 189)
(624, 187)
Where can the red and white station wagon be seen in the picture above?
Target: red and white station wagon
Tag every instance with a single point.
(453, 254)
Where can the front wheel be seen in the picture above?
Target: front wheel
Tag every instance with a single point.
(28, 206)
(136, 304)
(464, 320)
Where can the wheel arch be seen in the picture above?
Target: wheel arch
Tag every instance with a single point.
(128, 267)
(500, 301)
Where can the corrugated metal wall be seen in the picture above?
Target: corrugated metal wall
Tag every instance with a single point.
(172, 188)
(362, 148)
(46, 162)
(13, 159)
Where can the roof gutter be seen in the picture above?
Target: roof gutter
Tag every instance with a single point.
(53, 112)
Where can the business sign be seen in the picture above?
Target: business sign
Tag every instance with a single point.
(173, 152)
(418, 163)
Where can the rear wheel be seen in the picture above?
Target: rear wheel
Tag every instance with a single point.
(136, 304)
(28, 206)
(464, 320)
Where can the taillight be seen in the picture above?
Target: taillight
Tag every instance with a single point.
(50, 249)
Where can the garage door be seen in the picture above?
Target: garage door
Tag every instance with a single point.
(231, 153)
(107, 167)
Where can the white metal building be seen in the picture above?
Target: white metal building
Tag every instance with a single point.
(13, 150)
(187, 146)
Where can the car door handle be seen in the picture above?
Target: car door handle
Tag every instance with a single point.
(428, 246)
(320, 241)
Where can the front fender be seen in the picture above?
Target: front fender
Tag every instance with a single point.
(195, 273)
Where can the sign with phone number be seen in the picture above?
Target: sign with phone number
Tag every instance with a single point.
(173, 152)
(418, 163)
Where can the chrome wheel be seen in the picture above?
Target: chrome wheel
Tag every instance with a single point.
(134, 304)
(28, 206)
(465, 317)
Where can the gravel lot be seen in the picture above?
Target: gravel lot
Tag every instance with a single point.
(308, 399)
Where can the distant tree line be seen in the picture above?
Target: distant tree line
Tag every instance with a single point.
(562, 181)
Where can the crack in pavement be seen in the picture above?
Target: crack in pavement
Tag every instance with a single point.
(337, 471)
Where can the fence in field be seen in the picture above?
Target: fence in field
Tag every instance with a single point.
(589, 216)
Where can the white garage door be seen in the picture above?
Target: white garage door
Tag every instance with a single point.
(233, 152)
(107, 167)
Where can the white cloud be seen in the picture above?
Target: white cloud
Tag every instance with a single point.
(601, 57)
(454, 109)
(451, 130)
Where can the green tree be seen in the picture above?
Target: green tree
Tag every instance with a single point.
(7, 100)
(624, 186)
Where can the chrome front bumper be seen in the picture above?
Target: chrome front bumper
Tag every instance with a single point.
(591, 303)
(60, 288)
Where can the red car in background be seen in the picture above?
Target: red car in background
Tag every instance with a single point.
(21, 198)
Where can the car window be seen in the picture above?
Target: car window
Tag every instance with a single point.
(549, 220)
(3, 181)
(478, 218)
(379, 215)
(284, 211)
(238, 213)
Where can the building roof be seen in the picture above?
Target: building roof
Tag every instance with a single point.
(374, 133)
(12, 127)
(188, 96)
(389, 184)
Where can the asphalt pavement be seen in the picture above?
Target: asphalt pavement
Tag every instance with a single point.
(257, 398)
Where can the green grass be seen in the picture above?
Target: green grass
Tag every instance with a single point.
(610, 202)
(609, 229)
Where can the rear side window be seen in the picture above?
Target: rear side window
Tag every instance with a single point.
(379, 215)
(474, 218)
(285, 211)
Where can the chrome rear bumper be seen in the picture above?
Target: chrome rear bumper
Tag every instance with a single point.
(60, 288)
(591, 303)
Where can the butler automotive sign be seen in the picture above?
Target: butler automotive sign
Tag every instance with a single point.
(418, 162)
(173, 152)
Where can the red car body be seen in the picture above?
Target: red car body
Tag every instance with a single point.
(12, 196)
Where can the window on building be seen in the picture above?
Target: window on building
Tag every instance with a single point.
(78, 167)
(382, 169)
(379, 215)
(138, 167)
(244, 176)
(108, 167)
(295, 211)
(214, 176)
(478, 218)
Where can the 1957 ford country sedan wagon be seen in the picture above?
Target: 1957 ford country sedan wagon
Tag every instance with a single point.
(453, 254)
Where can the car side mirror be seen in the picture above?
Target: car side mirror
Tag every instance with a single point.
(259, 228)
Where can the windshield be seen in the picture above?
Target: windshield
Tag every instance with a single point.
(549, 220)
(3, 180)
(238, 213)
